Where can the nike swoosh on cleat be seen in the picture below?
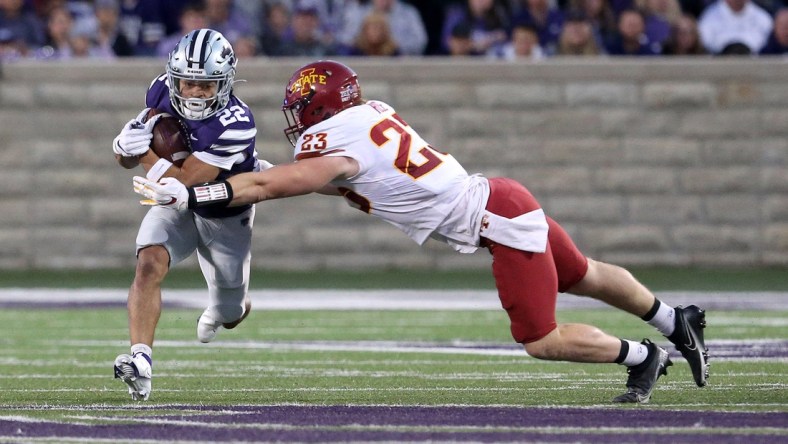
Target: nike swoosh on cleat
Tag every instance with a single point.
(690, 336)
(172, 201)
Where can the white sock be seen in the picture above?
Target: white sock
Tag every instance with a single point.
(636, 355)
(664, 320)
(141, 348)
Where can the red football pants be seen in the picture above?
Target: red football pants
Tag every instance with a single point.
(528, 283)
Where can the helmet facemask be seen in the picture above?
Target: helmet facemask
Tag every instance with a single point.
(198, 108)
(293, 115)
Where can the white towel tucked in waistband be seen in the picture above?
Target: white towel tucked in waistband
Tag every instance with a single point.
(527, 232)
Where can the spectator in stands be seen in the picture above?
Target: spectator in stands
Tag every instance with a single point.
(303, 37)
(547, 20)
(11, 48)
(374, 38)
(57, 42)
(684, 38)
(192, 17)
(332, 15)
(632, 39)
(143, 24)
(21, 30)
(67, 37)
(660, 17)
(601, 16)
(405, 23)
(460, 43)
(80, 42)
(489, 24)
(778, 41)
(728, 22)
(83, 15)
(246, 46)
(84, 44)
(577, 37)
(108, 35)
(277, 24)
(254, 11)
(225, 18)
(524, 44)
(82, 11)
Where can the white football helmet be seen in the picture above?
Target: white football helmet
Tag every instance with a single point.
(203, 55)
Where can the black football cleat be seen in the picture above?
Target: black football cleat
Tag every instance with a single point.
(688, 339)
(643, 377)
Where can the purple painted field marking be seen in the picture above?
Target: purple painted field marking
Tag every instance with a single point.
(421, 423)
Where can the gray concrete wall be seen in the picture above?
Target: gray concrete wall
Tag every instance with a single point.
(661, 161)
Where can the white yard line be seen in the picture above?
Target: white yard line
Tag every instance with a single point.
(309, 299)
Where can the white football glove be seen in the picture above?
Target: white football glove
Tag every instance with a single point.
(134, 139)
(264, 164)
(167, 192)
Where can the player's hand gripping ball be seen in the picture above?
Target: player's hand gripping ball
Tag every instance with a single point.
(170, 140)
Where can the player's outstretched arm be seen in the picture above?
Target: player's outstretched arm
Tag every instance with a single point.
(293, 179)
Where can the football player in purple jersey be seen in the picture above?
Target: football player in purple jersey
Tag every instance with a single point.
(197, 88)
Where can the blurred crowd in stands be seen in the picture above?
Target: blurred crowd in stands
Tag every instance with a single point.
(502, 29)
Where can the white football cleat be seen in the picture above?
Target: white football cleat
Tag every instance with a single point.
(136, 371)
(208, 326)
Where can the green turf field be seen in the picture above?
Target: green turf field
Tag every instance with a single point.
(56, 364)
(64, 358)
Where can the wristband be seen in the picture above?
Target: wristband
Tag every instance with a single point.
(158, 169)
(210, 194)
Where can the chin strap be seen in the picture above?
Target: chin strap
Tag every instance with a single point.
(217, 194)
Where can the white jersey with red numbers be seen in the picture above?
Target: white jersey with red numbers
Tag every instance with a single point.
(401, 179)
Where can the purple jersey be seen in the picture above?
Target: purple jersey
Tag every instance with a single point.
(225, 140)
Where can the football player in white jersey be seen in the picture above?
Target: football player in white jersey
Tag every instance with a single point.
(364, 151)
(198, 89)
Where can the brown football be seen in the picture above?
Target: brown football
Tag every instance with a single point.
(170, 140)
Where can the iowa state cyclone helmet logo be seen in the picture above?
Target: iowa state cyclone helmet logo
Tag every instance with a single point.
(307, 77)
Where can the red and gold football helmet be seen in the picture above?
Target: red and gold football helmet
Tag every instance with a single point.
(316, 92)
